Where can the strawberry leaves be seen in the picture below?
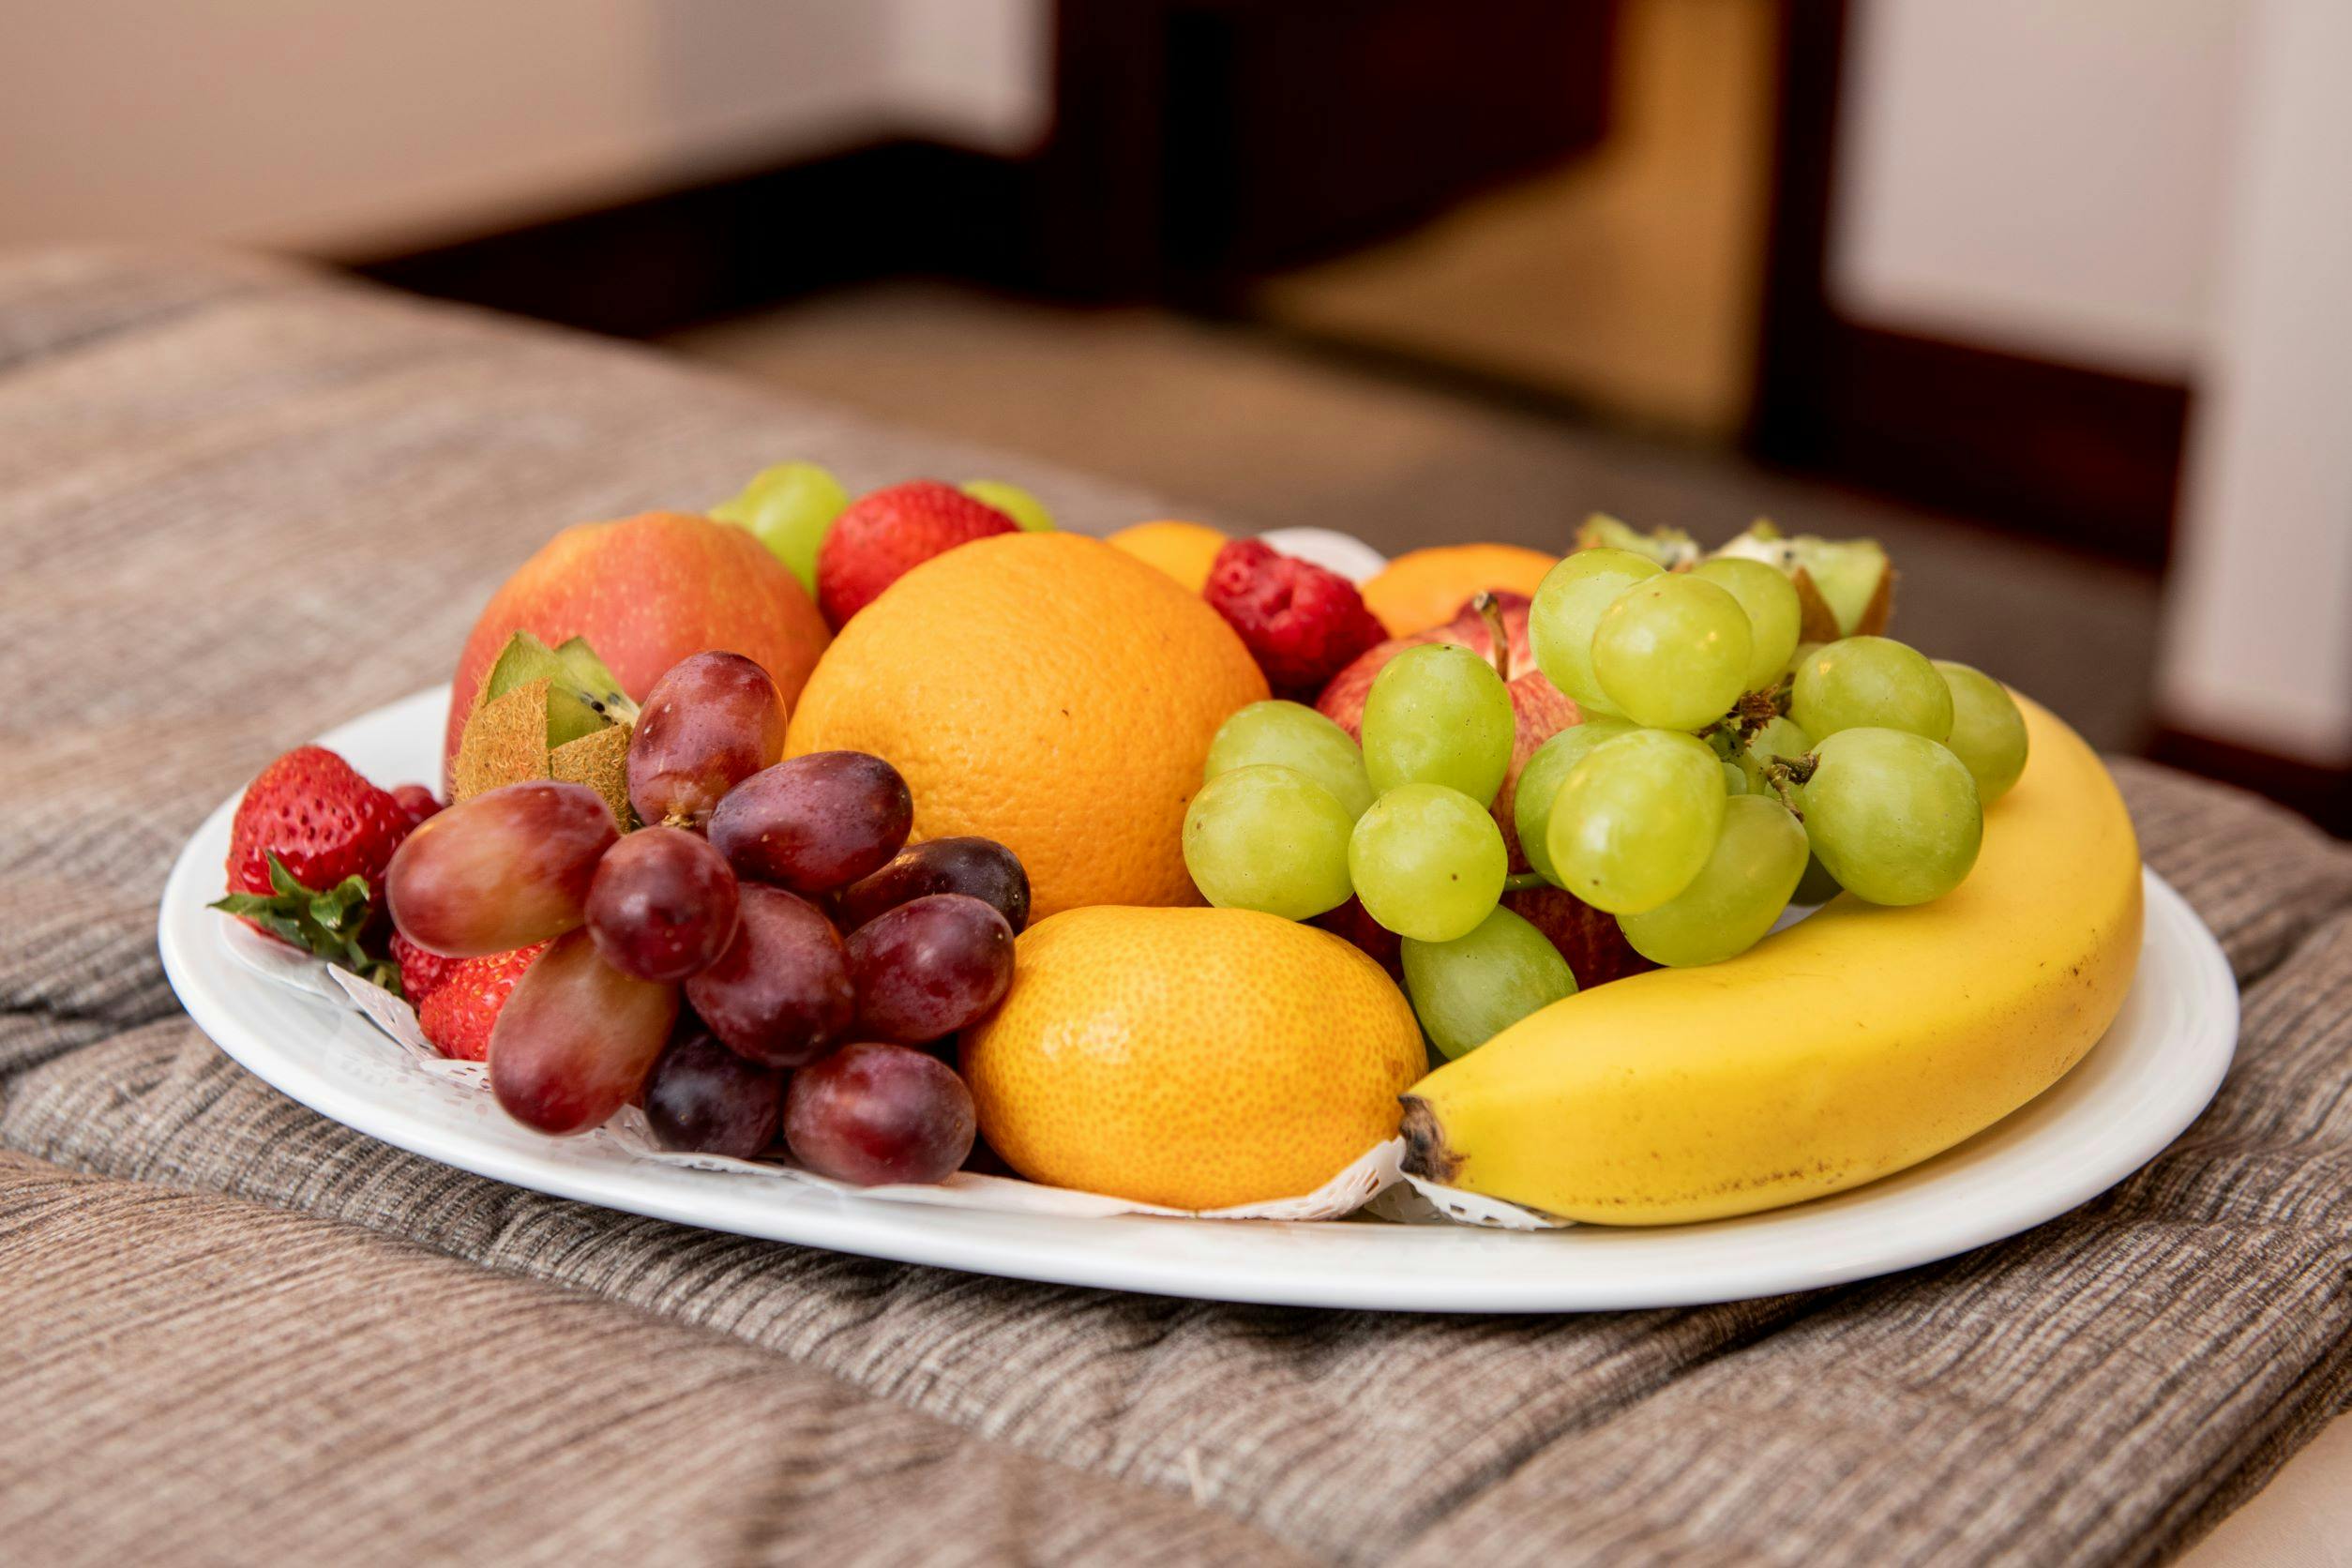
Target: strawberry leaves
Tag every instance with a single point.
(327, 923)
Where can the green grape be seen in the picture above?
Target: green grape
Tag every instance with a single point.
(1271, 839)
(1817, 886)
(1804, 651)
(1014, 502)
(1295, 736)
(1539, 786)
(1428, 861)
(1734, 781)
(1635, 820)
(1777, 737)
(1758, 858)
(1470, 990)
(1894, 816)
(1774, 614)
(1988, 734)
(1568, 605)
(1872, 682)
(1438, 714)
(789, 508)
(1672, 652)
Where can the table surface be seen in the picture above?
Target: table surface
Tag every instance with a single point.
(240, 503)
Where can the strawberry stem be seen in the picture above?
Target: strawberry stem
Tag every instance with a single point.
(326, 923)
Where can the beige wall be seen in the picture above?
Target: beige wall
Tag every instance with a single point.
(343, 125)
(2156, 188)
(2258, 646)
(2041, 176)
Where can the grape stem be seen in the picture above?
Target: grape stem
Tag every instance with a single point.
(1788, 773)
(1491, 613)
(1752, 712)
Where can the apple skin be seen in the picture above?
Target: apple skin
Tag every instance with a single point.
(1596, 949)
(1543, 710)
(647, 592)
(1342, 699)
(1353, 922)
(1597, 952)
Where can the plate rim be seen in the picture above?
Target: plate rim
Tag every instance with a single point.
(207, 984)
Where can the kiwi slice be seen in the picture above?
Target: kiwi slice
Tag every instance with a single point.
(593, 681)
(581, 695)
(1852, 578)
(1669, 548)
(546, 713)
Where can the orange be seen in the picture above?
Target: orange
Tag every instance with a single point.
(1047, 691)
(1425, 588)
(1195, 1058)
(1185, 551)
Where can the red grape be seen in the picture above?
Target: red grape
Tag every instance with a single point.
(663, 904)
(504, 869)
(780, 994)
(575, 1040)
(981, 868)
(703, 1097)
(930, 967)
(712, 720)
(871, 1114)
(816, 823)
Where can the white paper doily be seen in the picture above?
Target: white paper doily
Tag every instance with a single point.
(1378, 1171)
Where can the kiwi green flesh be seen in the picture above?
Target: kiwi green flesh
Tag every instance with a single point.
(581, 696)
(1848, 572)
(1668, 547)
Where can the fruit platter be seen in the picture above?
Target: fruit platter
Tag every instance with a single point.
(1245, 918)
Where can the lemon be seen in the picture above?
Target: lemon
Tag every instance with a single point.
(1197, 1058)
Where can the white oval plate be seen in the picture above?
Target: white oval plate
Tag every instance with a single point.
(2156, 1068)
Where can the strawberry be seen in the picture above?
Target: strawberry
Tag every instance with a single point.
(884, 535)
(307, 854)
(457, 1016)
(1303, 625)
(315, 813)
(421, 972)
(417, 801)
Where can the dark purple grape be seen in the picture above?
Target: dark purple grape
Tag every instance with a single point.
(663, 905)
(815, 823)
(504, 869)
(979, 867)
(573, 1041)
(780, 994)
(703, 1097)
(712, 720)
(930, 967)
(872, 1113)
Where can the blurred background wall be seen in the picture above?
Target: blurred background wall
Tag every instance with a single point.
(365, 127)
(2054, 289)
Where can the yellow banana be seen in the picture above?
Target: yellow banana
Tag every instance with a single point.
(1854, 1044)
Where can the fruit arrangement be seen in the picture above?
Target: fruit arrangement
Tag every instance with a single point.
(900, 833)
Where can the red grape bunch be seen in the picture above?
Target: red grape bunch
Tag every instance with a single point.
(769, 957)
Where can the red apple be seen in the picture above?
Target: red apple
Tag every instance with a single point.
(1597, 952)
(1542, 708)
(1354, 922)
(647, 592)
(1596, 949)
